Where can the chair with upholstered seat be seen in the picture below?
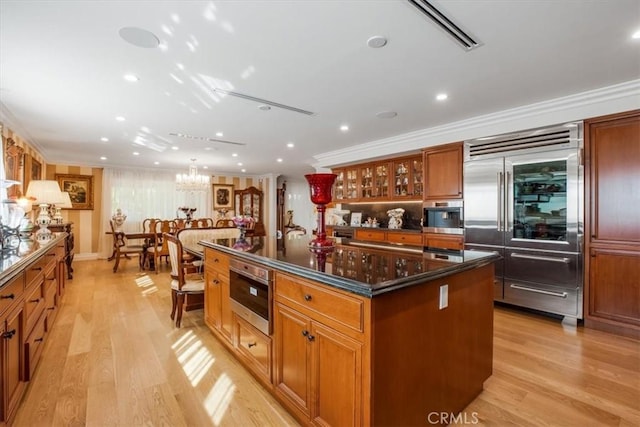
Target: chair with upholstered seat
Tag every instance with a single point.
(159, 249)
(123, 249)
(182, 282)
(221, 223)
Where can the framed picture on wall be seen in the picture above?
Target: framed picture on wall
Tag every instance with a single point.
(80, 189)
(13, 167)
(223, 196)
(32, 171)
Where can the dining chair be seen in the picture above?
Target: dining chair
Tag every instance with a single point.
(123, 249)
(159, 249)
(182, 281)
(221, 223)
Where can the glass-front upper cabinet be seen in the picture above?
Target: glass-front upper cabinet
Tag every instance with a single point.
(408, 178)
(540, 200)
(346, 184)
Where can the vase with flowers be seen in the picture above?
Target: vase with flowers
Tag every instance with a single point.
(243, 222)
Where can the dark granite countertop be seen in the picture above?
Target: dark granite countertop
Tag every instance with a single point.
(14, 260)
(362, 268)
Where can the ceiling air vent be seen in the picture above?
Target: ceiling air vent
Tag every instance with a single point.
(551, 138)
(263, 101)
(447, 25)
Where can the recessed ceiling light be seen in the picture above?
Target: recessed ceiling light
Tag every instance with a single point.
(131, 77)
(104, 139)
(243, 170)
(376, 42)
(103, 158)
(290, 145)
(139, 37)
(636, 35)
(120, 119)
(279, 160)
(135, 153)
(239, 163)
(234, 154)
(344, 128)
(156, 163)
(264, 107)
(219, 134)
(174, 148)
(386, 114)
(441, 96)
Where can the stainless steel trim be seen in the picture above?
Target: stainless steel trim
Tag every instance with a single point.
(255, 272)
(508, 222)
(539, 291)
(541, 258)
(258, 322)
(439, 230)
(500, 201)
(443, 204)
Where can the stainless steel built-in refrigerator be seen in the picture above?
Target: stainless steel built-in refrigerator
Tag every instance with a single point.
(523, 197)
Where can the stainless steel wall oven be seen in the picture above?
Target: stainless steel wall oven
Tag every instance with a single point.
(251, 290)
(443, 217)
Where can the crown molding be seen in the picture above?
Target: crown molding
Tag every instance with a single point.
(607, 100)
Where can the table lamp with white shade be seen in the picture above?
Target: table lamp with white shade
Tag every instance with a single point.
(45, 193)
(66, 204)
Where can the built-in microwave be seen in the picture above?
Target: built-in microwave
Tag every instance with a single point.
(443, 217)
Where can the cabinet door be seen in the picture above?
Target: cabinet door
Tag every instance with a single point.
(339, 185)
(614, 293)
(407, 178)
(381, 183)
(336, 378)
(212, 307)
(12, 366)
(293, 357)
(614, 151)
(443, 172)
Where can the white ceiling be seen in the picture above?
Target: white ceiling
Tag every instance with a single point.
(62, 65)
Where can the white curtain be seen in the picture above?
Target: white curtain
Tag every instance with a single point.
(144, 194)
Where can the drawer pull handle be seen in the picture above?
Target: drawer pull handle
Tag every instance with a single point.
(540, 291)
(305, 333)
(216, 260)
(51, 308)
(216, 281)
(10, 296)
(38, 339)
(311, 337)
(541, 258)
(307, 297)
(252, 344)
(9, 334)
(37, 268)
(35, 300)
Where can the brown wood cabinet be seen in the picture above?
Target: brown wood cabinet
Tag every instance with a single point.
(443, 172)
(612, 223)
(407, 178)
(29, 303)
(67, 227)
(346, 187)
(443, 241)
(217, 307)
(249, 203)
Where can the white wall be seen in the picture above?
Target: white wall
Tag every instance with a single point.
(297, 199)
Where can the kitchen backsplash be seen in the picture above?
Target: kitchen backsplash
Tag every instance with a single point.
(411, 220)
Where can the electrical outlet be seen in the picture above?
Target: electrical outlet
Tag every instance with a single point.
(444, 297)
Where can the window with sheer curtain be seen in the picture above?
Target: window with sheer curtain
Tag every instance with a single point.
(145, 194)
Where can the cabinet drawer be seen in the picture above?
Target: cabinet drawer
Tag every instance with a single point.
(375, 235)
(11, 292)
(254, 347)
(51, 302)
(34, 304)
(35, 272)
(33, 346)
(217, 261)
(406, 238)
(319, 302)
(551, 299)
(444, 241)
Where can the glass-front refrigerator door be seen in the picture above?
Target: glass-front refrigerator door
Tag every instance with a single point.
(542, 195)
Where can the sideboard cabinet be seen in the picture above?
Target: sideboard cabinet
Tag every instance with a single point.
(249, 202)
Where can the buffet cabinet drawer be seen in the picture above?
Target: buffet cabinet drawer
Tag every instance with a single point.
(34, 304)
(414, 239)
(35, 272)
(11, 293)
(217, 261)
(254, 347)
(552, 299)
(50, 301)
(443, 241)
(329, 306)
(33, 346)
(373, 235)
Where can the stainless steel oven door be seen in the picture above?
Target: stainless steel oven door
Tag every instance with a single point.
(251, 295)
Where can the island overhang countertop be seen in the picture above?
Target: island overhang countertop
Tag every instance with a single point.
(362, 268)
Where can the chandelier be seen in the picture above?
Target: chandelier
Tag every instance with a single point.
(192, 181)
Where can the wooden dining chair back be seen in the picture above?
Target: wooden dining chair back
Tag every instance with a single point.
(183, 282)
(159, 249)
(223, 223)
(123, 249)
(202, 223)
(149, 224)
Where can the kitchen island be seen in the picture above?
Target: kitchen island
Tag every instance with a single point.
(367, 334)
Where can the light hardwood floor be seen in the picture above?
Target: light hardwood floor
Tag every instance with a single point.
(114, 358)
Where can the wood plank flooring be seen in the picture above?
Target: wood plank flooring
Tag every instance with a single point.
(114, 358)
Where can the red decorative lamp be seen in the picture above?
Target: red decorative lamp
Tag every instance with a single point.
(321, 186)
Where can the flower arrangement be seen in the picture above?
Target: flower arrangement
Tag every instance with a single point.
(243, 221)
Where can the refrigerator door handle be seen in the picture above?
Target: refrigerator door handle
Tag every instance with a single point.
(508, 208)
(541, 258)
(500, 201)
